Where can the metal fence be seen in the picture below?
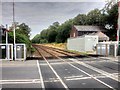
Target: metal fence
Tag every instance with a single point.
(107, 48)
(20, 51)
(10, 51)
(7, 51)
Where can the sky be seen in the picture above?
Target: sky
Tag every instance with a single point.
(40, 15)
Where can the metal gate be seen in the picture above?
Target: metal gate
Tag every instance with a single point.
(6, 51)
(10, 51)
(107, 48)
(20, 51)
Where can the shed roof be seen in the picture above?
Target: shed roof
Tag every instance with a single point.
(101, 35)
(88, 28)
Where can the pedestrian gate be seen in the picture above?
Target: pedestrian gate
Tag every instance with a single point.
(6, 51)
(10, 51)
(107, 48)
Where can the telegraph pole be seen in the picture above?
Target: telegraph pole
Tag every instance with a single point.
(14, 29)
(118, 30)
(7, 51)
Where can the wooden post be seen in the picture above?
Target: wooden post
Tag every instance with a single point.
(100, 49)
(97, 49)
(115, 50)
(106, 49)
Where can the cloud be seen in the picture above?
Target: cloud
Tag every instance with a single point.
(39, 15)
(54, 0)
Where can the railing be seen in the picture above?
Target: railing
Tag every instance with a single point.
(107, 48)
(8, 52)
(20, 51)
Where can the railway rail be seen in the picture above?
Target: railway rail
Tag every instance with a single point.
(73, 62)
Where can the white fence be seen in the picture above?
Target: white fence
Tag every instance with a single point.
(20, 51)
(6, 51)
(107, 48)
(10, 51)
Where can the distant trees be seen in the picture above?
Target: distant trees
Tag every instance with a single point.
(59, 33)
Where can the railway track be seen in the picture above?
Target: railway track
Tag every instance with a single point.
(44, 52)
(76, 56)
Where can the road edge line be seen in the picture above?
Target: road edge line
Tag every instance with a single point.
(40, 75)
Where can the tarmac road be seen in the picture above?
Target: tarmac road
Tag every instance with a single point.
(80, 74)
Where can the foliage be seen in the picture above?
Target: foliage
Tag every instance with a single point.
(80, 19)
(23, 28)
(59, 33)
(22, 35)
(36, 39)
(94, 17)
(64, 31)
(111, 20)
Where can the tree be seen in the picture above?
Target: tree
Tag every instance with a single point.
(94, 17)
(52, 32)
(64, 31)
(80, 19)
(22, 35)
(52, 35)
(36, 39)
(111, 20)
(23, 28)
(59, 33)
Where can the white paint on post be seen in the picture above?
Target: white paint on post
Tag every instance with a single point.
(24, 51)
(12, 51)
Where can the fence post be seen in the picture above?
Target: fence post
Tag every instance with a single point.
(100, 49)
(115, 50)
(97, 49)
(106, 49)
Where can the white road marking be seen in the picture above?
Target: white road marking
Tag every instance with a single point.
(54, 63)
(57, 75)
(92, 76)
(19, 82)
(81, 78)
(28, 81)
(40, 74)
(25, 80)
(98, 70)
(88, 74)
(74, 76)
(65, 86)
(66, 69)
(69, 79)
